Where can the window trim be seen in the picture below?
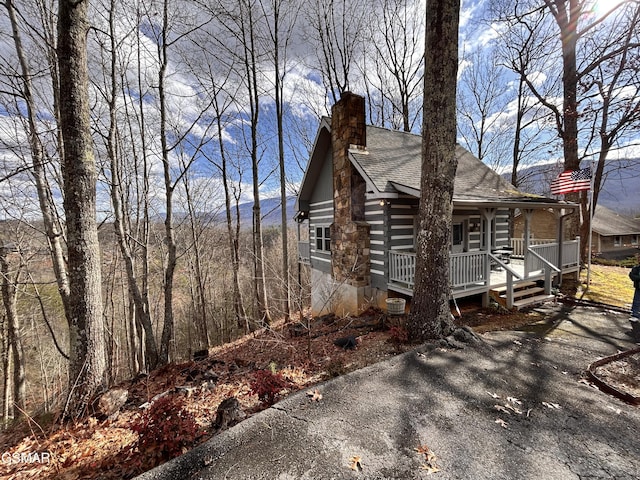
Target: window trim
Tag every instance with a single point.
(323, 242)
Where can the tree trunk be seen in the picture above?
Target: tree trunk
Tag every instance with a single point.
(430, 315)
(9, 292)
(250, 64)
(6, 378)
(199, 297)
(279, 88)
(120, 224)
(170, 240)
(233, 233)
(566, 14)
(52, 226)
(86, 330)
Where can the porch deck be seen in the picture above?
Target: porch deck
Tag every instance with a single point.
(475, 273)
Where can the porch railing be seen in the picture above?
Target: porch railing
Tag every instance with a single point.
(518, 245)
(469, 270)
(465, 268)
(549, 252)
(402, 268)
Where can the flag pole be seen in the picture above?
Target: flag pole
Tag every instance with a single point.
(590, 227)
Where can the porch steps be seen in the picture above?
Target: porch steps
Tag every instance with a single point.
(524, 294)
(525, 302)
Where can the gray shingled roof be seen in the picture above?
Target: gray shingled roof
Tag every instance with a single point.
(607, 222)
(392, 159)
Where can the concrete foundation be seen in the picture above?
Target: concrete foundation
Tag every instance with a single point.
(341, 298)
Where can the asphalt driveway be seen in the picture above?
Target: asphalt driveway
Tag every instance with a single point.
(514, 406)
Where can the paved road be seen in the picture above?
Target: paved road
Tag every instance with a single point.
(454, 401)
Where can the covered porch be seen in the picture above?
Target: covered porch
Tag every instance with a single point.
(482, 272)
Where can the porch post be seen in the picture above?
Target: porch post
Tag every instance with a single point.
(487, 214)
(528, 213)
(509, 290)
(560, 238)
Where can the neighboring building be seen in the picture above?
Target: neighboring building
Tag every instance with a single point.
(544, 225)
(360, 197)
(613, 235)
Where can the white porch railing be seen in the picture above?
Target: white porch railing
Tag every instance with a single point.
(518, 244)
(468, 271)
(549, 251)
(402, 268)
(465, 268)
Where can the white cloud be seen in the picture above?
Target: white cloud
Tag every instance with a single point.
(468, 10)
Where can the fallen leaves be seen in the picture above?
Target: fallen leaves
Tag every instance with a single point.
(356, 463)
(430, 459)
(315, 395)
(502, 423)
(512, 406)
(508, 408)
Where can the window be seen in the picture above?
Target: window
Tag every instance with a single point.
(483, 235)
(634, 240)
(617, 241)
(459, 229)
(323, 239)
(458, 237)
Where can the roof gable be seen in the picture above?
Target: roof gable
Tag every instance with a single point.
(321, 144)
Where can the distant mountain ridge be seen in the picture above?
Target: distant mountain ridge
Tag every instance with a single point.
(270, 210)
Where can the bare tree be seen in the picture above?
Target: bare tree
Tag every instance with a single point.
(167, 34)
(597, 54)
(517, 51)
(281, 17)
(483, 99)
(338, 27)
(232, 194)
(127, 241)
(396, 40)
(611, 85)
(430, 316)
(5, 349)
(198, 223)
(52, 224)
(87, 347)
(9, 287)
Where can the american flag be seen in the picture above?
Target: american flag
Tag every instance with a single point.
(571, 181)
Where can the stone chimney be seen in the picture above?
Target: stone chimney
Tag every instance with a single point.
(350, 233)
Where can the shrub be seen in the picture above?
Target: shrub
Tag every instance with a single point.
(165, 429)
(398, 335)
(267, 385)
